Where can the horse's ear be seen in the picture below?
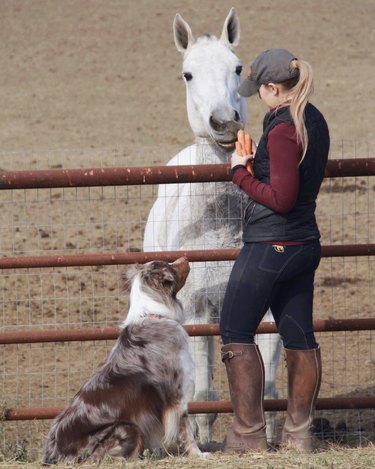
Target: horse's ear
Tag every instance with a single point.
(231, 29)
(183, 36)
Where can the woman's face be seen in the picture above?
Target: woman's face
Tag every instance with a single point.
(270, 95)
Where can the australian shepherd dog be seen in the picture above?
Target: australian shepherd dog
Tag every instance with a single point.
(138, 399)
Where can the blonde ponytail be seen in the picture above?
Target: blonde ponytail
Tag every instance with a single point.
(299, 94)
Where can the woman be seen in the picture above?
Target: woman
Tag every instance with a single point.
(276, 265)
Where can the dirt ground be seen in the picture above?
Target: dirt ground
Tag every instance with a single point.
(92, 82)
(101, 73)
(334, 458)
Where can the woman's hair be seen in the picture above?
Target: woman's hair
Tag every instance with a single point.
(300, 88)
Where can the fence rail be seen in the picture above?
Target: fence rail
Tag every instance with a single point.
(90, 177)
(206, 407)
(194, 330)
(75, 260)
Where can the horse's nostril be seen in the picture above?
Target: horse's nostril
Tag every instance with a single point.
(216, 125)
(237, 117)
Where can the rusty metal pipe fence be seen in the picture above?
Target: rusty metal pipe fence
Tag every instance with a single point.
(194, 330)
(206, 407)
(91, 177)
(59, 178)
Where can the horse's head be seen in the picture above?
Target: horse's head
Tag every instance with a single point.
(211, 73)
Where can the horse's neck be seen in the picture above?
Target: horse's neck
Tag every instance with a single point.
(209, 153)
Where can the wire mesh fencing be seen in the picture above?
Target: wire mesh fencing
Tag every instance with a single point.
(63, 221)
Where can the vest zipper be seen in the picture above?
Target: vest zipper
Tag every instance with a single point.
(253, 204)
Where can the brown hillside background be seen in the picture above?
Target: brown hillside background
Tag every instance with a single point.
(91, 73)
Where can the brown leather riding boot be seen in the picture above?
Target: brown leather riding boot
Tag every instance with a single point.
(245, 372)
(304, 377)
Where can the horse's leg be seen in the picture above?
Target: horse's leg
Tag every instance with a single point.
(195, 297)
(202, 352)
(186, 437)
(270, 348)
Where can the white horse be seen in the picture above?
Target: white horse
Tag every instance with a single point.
(207, 216)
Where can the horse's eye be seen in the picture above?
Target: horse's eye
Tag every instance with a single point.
(239, 69)
(188, 76)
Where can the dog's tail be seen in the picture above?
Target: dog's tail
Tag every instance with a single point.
(62, 442)
(119, 439)
(51, 454)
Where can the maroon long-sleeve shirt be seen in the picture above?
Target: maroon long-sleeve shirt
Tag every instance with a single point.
(285, 153)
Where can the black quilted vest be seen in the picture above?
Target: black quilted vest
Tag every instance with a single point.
(299, 224)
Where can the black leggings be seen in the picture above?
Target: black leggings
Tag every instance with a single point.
(277, 277)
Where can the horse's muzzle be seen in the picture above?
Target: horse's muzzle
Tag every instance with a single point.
(225, 132)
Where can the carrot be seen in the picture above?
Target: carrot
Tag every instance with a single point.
(244, 146)
(249, 151)
(238, 148)
(241, 141)
(248, 144)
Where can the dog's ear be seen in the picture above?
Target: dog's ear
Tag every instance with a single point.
(127, 277)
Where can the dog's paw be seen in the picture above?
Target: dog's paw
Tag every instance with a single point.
(197, 453)
(205, 455)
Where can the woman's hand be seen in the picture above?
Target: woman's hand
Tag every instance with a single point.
(238, 157)
(243, 154)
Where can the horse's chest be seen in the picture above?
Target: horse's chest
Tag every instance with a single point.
(211, 208)
(220, 202)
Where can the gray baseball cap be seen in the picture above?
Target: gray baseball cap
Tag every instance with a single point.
(271, 66)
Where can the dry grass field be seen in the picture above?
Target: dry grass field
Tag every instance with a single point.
(333, 458)
(95, 83)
